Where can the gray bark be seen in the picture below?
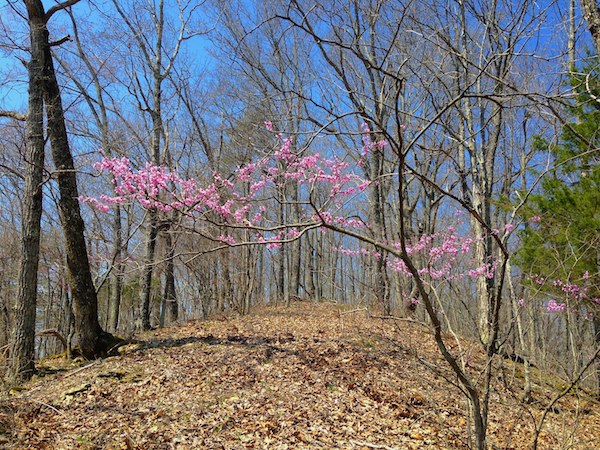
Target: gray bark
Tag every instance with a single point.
(99, 112)
(591, 12)
(23, 335)
(148, 270)
(92, 340)
(170, 295)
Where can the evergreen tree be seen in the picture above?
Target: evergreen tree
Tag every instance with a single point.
(561, 245)
(565, 241)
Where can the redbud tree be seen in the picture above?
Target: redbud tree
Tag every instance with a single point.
(329, 190)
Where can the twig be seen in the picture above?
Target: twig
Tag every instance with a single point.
(81, 369)
(366, 444)
(387, 317)
(355, 310)
(47, 405)
(53, 332)
(401, 319)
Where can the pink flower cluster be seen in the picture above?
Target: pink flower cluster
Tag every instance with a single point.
(159, 188)
(368, 144)
(553, 306)
(155, 187)
(572, 291)
(486, 270)
(439, 255)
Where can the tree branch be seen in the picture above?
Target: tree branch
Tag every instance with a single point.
(59, 7)
(13, 115)
(60, 41)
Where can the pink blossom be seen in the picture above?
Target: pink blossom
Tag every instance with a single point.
(258, 185)
(245, 172)
(163, 189)
(487, 270)
(269, 125)
(285, 152)
(95, 203)
(553, 306)
(397, 265)
(293, 233)
(226, 239)
(239, 214)
(257, 218)
(365, 184)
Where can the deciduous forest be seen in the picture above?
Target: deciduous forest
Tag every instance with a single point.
(368, 191)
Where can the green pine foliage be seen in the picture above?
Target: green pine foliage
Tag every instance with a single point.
(563, 241)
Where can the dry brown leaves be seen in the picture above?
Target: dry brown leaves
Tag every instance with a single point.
(306, 377)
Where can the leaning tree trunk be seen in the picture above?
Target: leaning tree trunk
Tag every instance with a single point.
(91, 339)
(23, 335)
(115, 298)
(99, 112)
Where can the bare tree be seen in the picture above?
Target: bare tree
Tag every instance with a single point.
(148, 86)
(23, 335)
(90, 68)
(44, 90)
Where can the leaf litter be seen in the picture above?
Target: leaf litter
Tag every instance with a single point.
(308, 376)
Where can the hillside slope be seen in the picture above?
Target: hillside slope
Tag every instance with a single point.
(308, 376)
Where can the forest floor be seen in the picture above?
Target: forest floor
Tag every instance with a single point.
(304, 377)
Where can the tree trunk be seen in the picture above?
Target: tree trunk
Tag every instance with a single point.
(23, 336)
(309, 282)
(156, 66)
(596, 331)
(591, 12)
(170, 295)
(92, 340)
(520, 329)
(225, 299)
(116, 294)
(377, 220)
(282, 293)
(146, 287)
(99, 112)
(295, 253)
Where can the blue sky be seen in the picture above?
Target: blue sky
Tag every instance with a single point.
(13, 75)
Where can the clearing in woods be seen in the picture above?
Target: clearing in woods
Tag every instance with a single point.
(308, 376)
